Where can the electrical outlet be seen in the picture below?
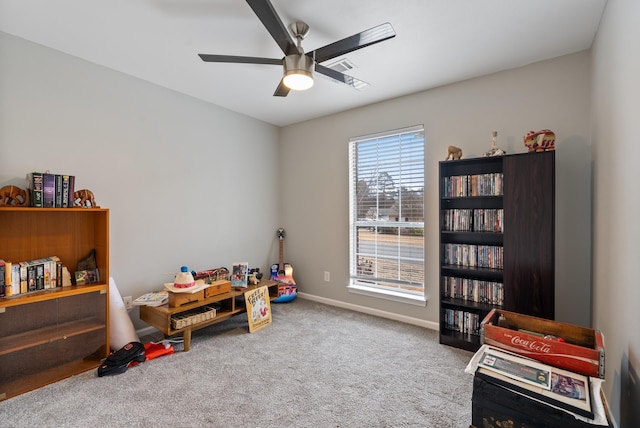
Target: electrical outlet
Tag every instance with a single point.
(128, 302)
(327, 276)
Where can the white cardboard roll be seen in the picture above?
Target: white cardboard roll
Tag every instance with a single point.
(121, 330)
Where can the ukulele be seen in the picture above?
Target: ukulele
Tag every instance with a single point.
(283, 274)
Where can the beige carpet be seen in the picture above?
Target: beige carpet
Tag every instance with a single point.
(315, 366)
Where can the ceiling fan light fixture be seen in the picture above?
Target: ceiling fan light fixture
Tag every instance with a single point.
(298, 72)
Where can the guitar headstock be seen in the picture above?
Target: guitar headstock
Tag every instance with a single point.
(280, 234)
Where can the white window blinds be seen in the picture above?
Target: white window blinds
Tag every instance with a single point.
(387, 210)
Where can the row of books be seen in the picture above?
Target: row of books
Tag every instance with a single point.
(474, 290)
(474, 220)
(489, 184)
(462, 321)
(48, 190)
(471, 255)
(27, 276)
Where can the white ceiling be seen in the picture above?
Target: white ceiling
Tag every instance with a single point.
(438, 42)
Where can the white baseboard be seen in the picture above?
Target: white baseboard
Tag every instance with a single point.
(146, 331)
(376, 312)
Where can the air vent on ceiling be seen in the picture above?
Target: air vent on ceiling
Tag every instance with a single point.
(342, 65)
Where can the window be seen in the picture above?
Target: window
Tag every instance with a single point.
(386, 210)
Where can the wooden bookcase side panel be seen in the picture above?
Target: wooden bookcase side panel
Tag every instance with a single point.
(529, 248)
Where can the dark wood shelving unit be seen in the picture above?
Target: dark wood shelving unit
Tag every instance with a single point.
(526, 241)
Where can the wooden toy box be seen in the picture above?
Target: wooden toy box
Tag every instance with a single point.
(217, 287)
(582, 352)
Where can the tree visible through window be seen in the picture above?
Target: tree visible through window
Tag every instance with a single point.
(387, 211)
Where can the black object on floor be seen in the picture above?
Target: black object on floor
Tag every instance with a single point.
(118, 362)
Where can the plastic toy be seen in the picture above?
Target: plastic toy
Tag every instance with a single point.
(453, 153)
(540, 141)
(13, 195)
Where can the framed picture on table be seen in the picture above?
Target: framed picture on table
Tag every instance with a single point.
(239, 274)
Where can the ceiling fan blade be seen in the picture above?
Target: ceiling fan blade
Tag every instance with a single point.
(340, 77)
(282, 90)
(239, 59)
(357, 41)
(270, 19)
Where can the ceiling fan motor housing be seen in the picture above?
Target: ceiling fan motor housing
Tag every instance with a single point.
(298, 72)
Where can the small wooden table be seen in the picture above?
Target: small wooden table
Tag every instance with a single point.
(160, 316)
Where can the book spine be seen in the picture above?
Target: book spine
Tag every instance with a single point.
(31, 276)
(48, 190)
(46, 267)
(8, 282)
(34, 184)
(65, 191)
(15, 278)
(58, 191)
(59, 274)
(39, 268)
(72, 184)
(24, 284)
(53, 268)
(2, 278)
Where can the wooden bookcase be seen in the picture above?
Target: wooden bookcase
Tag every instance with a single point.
(51, 334)
(496, 241)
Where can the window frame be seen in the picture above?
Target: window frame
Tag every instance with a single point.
(371, 286)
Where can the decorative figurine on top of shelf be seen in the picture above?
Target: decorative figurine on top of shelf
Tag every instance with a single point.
(540, 141)
(13, 195)
(253, 280)
(255, 276)
(494, 151)
(81, 197)
(453, 153)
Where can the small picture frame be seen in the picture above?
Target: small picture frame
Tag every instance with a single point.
(84, 277)
(239, 273)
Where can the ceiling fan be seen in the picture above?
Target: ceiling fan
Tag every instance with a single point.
(298, 65)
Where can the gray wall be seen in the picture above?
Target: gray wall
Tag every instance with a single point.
(616, 267)
(143, 149)
(553, 94)
(186, 182)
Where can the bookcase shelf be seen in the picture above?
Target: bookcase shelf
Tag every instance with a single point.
(48, 334)
(486, 274)
(516, 259)
(51, 334)
(478, 238)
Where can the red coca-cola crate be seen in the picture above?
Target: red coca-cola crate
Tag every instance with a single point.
(581, 352)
